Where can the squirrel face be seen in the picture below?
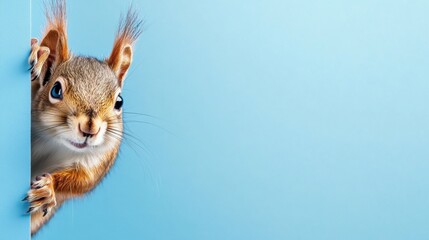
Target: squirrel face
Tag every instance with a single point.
(77, 102)
(82, 105)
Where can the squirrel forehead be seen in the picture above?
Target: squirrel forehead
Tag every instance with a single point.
(86, 70)
(88, 75)
(88, 80)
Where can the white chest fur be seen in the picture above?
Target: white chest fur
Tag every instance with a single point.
(48, 156)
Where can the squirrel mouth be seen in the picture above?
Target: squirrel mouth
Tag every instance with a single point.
(79, 145)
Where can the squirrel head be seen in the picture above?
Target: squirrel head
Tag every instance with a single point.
(78, 102)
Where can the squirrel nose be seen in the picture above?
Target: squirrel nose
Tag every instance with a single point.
(89, 132)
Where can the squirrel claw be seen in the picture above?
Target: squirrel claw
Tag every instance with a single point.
(30, 210)
(33, 41)
(45, 211)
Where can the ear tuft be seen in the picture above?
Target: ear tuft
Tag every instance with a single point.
(121, 56)
(57, 21)
(55, 37)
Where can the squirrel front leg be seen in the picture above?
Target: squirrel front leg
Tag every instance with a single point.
(38, 57)
(43, 201)
(69, 182)
(37, 60)
(49, 191)
(74, 181)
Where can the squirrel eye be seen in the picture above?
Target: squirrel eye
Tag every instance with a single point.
(119, 102)
(57, 91)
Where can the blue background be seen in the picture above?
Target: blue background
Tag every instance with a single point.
(14, 118)
(269, 120)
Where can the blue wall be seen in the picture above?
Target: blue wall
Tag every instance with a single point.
(277, 120)
(14, 118)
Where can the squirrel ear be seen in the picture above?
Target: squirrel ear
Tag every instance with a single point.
(122, 53)
(57, 44)
(120, 62)
(55, 39)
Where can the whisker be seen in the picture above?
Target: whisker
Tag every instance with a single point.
(131, 138)
(141, 114)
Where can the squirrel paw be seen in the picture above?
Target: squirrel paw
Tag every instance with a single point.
(41, 196)
(37, 58)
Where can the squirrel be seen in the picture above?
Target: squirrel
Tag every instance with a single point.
(76, 111)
